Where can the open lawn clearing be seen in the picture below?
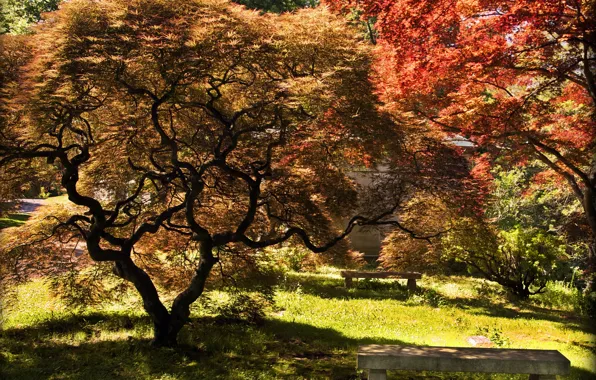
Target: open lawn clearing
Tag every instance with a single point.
(314, 332)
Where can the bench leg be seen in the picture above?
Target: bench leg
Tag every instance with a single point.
(377, 374)
(411, 284)
(543, 377)
(348, 282)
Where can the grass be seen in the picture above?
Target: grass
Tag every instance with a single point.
(59, 199)
(18, 219)
(313, 332)
(13, 220)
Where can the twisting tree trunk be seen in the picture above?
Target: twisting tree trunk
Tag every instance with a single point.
(181, 305)
(127, 270)
(166, 326)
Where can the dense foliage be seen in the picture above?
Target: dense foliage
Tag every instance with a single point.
(521, 260)
(190, 135)
(515, 77)
(527, 235)
(17, 15)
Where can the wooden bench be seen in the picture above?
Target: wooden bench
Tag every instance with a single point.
(539, 364)
(348, 275)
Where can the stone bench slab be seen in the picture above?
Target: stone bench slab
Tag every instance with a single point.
(462, 359)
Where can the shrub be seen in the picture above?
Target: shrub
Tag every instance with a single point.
(241, 307)
(293, 258)
(402, 253)
(521, 260)
(495, 334)
(560, 295)
(588, 305)
(376, 284)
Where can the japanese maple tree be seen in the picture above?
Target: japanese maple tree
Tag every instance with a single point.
(184, 127)
(515, 77)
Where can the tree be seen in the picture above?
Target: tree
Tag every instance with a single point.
(515, 77)
(187, 131)
(13, 55)
(17, 15)
(521, 260)
(16, 18)
(522, 241)
(430, 214)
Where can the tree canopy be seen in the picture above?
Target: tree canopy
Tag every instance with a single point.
(515, 77)
(197, 129)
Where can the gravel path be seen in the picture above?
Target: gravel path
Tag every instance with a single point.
(28, 206)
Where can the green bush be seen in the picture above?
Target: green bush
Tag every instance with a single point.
(495, 334)
(560, 295)
(523, 260)
(378, 285)
(291, 258)
(241, 307)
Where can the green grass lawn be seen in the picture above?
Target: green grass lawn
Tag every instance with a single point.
(13, 220)
(59, 199)
(313, 332)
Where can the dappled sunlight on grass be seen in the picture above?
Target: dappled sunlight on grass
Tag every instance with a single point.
(313, 332)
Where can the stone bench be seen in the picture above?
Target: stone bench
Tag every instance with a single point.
(539, 364)
(348, 275)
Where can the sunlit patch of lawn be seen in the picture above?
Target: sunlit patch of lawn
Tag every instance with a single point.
(59, 199)
(313, 333)
(13, 220)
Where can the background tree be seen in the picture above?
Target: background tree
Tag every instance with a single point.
(526, 235)
(516, 77)
(521, 260)
(198, 126)
(17, 15)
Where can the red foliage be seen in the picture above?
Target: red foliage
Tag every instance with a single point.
(515, 77)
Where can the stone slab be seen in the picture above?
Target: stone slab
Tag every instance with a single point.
(463, 359)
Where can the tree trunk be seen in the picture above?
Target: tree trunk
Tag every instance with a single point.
(589, 205)
(590, 265)
(524, 293)
(127, 270)
(181, 305)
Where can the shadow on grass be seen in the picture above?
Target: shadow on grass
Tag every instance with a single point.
(77, 348)
(374, 289)
(580, 373)
(108, 346)
(326, 287)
